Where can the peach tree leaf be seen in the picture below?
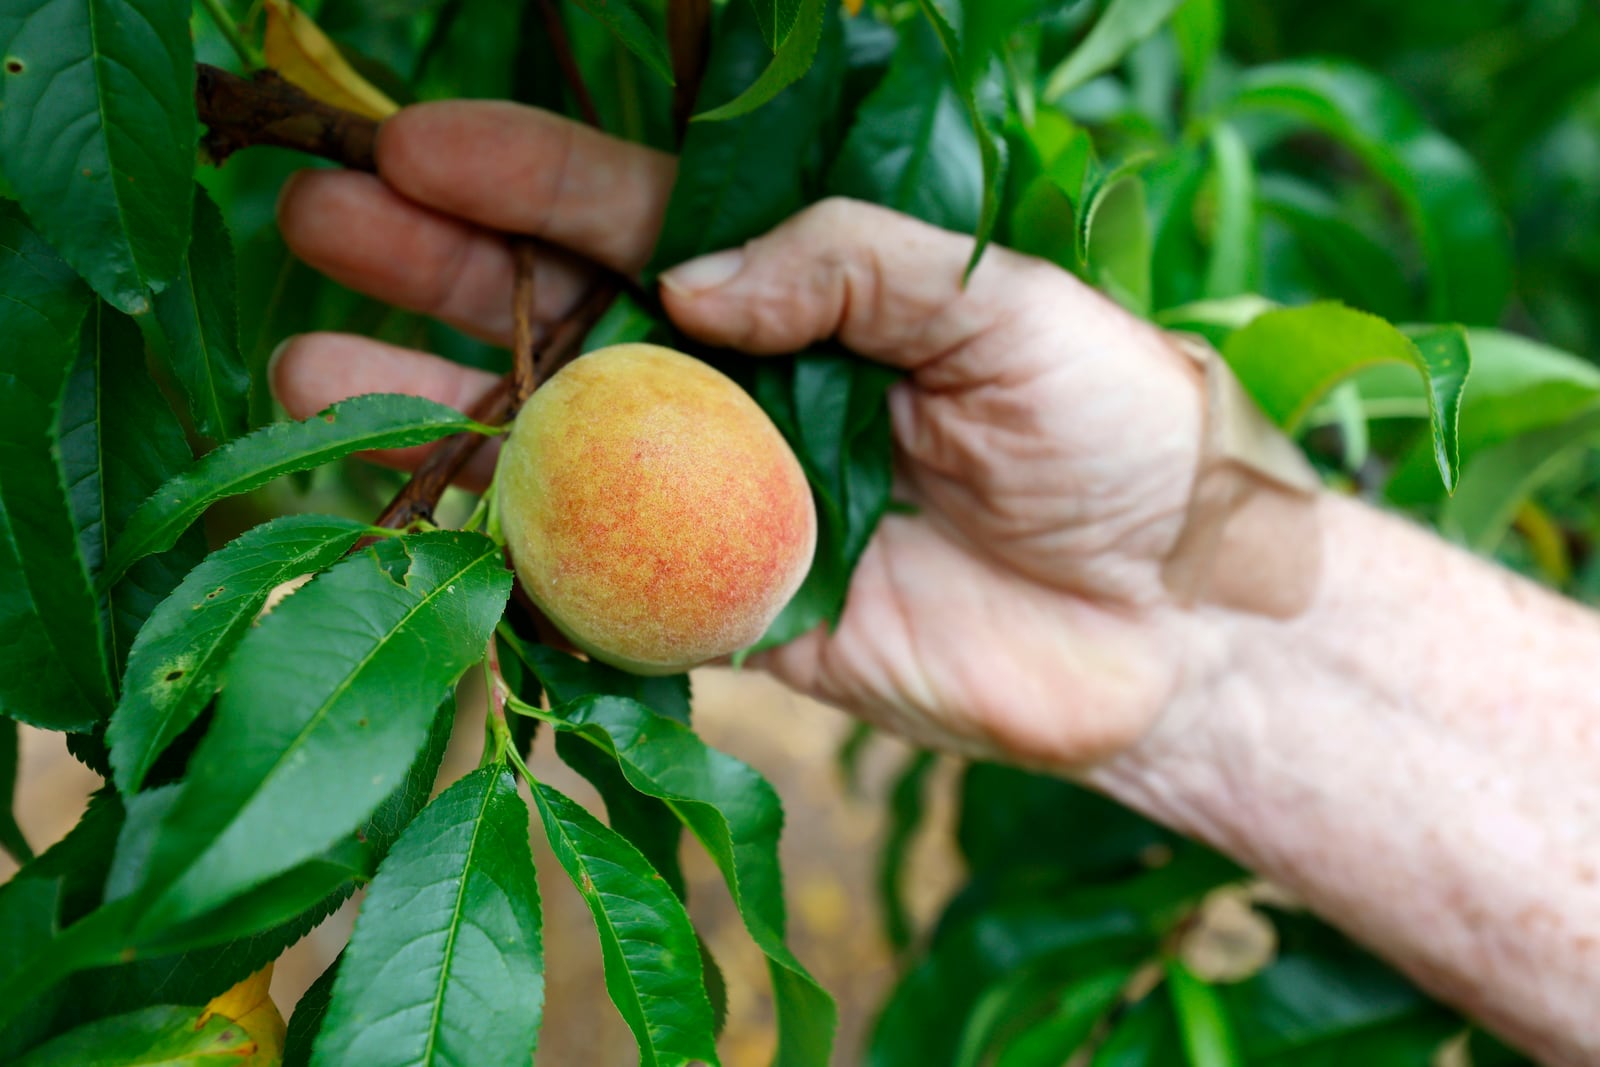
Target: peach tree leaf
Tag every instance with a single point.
(652, 959)
(325, 705)
(378, 420)
(736, 816)
(176, 659)
(97, 135)
(53, 670)
(445, 964)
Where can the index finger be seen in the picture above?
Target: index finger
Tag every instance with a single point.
(515, 168)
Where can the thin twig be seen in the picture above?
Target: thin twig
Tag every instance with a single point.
(689, 35)
(556, 30)
(266, 110)
(421, 494)
(524, 324)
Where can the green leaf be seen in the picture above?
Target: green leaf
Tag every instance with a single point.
(1099, 185)
(833, 413)
(195, 975)
(905, 816)
(1498, 479)
(176, 660)
(1235, 239)
(199, 316)
(296, 759)
(740, 178)
(645, 821)
(1117, 252)
(1289, 359)
(1124, 24)
(794, 57)
(927, 1020)
(1013, 819)
(119, 442)
(309, 1012)
(1147, 1036)
(1322, 1000)
(1203, 1024)
(11, 837)
(380, 420)
(1197, 26)
(1064, 1030)
(633, 25)
(567, 678)
(652, 958)
(1349, 263)
(776, 18)
(97, 135)
(52, 665)
(276, 900)
(445, 964)
(1441, 190)
(1518, 386)
(167, 1035)
(737, 817)
(911, 147)
(979, 83)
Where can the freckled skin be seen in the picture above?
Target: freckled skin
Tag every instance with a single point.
(652, 509)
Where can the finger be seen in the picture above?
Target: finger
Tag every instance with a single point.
(358, 231)
(884, 284)
(313, 370)
(508, 167)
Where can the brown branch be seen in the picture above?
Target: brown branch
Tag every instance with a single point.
(421, 494)
(266, 110)
(556, 30)
(689, 36)
(524, 323)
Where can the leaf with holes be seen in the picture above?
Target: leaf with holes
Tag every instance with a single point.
(324, 707)
(178, 656)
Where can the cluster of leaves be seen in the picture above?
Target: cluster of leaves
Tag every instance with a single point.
(1287, 209)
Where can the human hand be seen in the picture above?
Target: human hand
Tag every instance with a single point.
(1047, 438)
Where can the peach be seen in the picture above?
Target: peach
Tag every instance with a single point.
(652, 510)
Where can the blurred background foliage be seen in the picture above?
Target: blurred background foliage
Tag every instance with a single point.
(1436, 161)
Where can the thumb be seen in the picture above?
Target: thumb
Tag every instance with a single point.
(886, 285)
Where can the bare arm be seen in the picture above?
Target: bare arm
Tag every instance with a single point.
(1416, 756)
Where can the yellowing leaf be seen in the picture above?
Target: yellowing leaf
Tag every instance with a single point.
(250, 1006)
(298, 49)
(853, 6)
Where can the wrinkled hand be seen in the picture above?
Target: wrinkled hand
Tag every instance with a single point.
(1047, 438)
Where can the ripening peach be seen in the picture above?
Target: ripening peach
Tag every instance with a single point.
(653, 511)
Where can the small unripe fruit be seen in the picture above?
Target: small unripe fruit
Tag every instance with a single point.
(653, 511)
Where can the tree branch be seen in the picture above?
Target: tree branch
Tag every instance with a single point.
(556, 31)
(266, 110)
(689, 36)
(524, 326)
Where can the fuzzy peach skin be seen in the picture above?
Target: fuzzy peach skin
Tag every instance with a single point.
(653, 511)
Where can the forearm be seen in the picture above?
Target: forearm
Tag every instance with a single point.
(1415, 756)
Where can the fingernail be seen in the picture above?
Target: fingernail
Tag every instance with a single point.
(707, 272)
(272, 362)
